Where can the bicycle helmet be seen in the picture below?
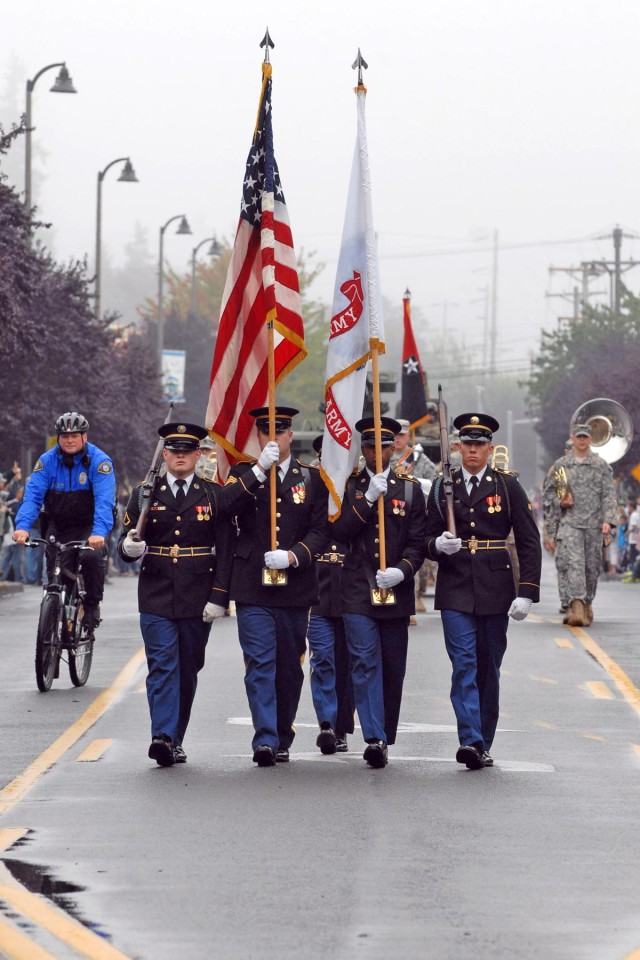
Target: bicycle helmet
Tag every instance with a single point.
(71, 423)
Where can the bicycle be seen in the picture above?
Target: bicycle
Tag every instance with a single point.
(60, 626)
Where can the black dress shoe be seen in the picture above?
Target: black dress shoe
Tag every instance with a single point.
(282, 755)
(376, 754)
(326, 739)
(91, 616)
(487, 758)
(161, 750)
(264, 756)
(178, 753)
(341, 743)
(471, 756)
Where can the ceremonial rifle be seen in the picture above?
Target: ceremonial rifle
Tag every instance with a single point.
(445, 456)
(147, 487)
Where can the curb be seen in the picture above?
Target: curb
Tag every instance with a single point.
(7, 588)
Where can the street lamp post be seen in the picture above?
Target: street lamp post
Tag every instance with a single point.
(128, 175)
(63, 84)
(184, 228)
(214, 252)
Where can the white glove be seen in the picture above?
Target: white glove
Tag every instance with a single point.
(520, 608)
(133, 548)
(377, 486)
(389, 577)
(270, 454)
(212, 612)
(447, 543)
(426, 485)
(276, 559)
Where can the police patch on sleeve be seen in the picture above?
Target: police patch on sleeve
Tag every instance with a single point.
(231, 480)
(105, 467)
(39, 466)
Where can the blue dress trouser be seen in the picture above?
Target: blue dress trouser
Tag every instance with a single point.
(274, 645)
(175, 654)
(378, 651)
(330, 673)
(476, 646)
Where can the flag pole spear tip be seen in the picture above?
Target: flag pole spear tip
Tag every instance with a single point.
(407, 294)
(266, 42)
(360, 63)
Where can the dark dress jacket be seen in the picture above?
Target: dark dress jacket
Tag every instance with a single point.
(329, 565)
(483, 582)
(301, 527)
(404, 527)
(178, 587)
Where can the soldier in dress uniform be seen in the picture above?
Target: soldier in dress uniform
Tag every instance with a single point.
(475, 589)
(329, 661)
(182, 583)
(378, 632)
(273, 617)
(580, 509)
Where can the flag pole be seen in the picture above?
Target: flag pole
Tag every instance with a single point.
(374, 342)
(274, 576)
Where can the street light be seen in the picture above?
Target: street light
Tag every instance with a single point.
(128, 175)
(214, 251)
(63, 84)
(184, 228)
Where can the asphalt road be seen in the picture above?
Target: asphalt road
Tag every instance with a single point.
(324, 857)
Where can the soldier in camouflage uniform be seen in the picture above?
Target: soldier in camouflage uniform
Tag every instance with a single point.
(576, 519)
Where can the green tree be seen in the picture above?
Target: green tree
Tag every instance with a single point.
(595, 356)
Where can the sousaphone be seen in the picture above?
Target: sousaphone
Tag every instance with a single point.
(611, 427)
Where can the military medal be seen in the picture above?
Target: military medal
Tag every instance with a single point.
(398, 507)
(199, 512)
(498, 508)
(207, 512)
(299, 493)
(491, 501)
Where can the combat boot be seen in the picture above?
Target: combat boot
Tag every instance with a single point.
(576, 616)
(420, 605)
(588, 614)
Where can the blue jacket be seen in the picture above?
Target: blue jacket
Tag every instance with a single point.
(75, 497)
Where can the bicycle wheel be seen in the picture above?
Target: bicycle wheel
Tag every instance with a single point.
(48, 642)
(80, 650)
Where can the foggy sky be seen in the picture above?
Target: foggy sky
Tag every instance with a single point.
(515, 115)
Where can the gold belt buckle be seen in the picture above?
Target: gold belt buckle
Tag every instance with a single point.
(333, 557)
(473, 545)
(174, 551)
(274, 578)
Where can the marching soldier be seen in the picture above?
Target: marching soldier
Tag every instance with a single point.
(329, 662)
(273, 612)
(475, 587)
(377, 603)
(182, 584)
(580, 510)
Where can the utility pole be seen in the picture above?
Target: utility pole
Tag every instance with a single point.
(494, 305)
(619, 266)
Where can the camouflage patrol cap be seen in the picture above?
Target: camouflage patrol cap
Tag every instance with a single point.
(581, 430)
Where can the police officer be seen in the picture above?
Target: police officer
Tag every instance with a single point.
(475, 589)
(75, 483)
(329, 661)
(182, 583)
(579, 515)
(272, 610)
(378, 629)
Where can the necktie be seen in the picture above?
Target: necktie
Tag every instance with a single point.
(474, 484)
(180, 492)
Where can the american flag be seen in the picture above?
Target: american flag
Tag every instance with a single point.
(261, 287)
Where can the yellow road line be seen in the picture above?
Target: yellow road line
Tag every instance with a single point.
(564, 642)
(594, 736)
(18, 788)
(16, 946)
(636, 748)
(9, 835)
(617, 674)
(545, 725)
(78, 937)
(599, 690)
(94, 750)
(532, 676)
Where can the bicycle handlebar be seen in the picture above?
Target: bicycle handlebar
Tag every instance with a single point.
(52, 542)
